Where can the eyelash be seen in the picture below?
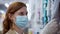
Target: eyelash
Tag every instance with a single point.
(22, 14)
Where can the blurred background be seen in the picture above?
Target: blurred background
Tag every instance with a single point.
(40, 12)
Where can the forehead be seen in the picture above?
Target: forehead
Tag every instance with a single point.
(23, 9)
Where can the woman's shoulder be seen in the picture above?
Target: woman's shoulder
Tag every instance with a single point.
(11, 32)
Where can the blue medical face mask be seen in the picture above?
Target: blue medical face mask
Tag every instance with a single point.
(21, 21)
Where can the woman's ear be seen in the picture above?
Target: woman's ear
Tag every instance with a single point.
(10, 16)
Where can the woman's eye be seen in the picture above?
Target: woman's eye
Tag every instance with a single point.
(22, 13)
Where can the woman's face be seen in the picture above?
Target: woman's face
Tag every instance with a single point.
(20, 12)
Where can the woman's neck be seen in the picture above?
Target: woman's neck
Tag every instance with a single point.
(19, 30)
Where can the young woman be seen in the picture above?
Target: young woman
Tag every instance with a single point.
(15, 19)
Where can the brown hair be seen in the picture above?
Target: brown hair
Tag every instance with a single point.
(7, 23)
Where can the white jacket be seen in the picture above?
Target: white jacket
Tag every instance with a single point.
(51, 28)
(14, 32)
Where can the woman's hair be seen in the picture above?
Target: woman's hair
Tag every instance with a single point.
(7, 23)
